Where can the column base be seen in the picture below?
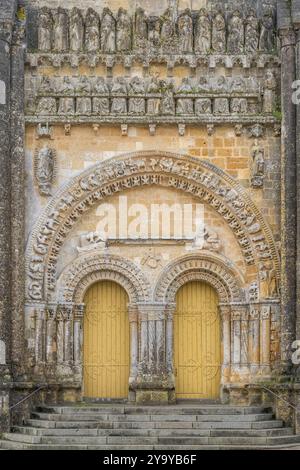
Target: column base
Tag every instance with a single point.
(154, 397)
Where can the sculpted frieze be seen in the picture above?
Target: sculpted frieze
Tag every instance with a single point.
(200, 32)
(116, 176)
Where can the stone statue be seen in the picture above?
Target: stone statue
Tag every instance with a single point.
(124, 31)
(266, 40)
(76, 30)
(185, 32)
(141, 29)
(67, 86)
(185, 105)
(137, 105)
(83, 106)
(60, 30)
(92, 31)
(66, 106)
(218, 33)
(47, 106)
(258, 165)
(203, 106)
(44, 170)
(100, 86)
(269, 99)
(268, 280)
(83, 85)
(168, 31)
(167, 102)
(154, 33)
(221, 106)
(154, 87)
(119, 104)
(251, 32)
(45, 28)
(46, 86)
(238, 85)
(235, 41)
(108, 32)
(202, 86)
(203, 33)
(239, 106)
(221, 85)
(101, 105)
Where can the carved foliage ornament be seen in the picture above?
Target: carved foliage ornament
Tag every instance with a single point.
(200, 179)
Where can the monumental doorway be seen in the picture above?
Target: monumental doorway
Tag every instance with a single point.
(197, 342)
(106, 344)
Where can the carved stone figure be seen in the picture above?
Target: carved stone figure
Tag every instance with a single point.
(60, 30)
(266, 40)
(268, 280)
(47, 106)
(168, 102)
(269, 93)
(221, 85)
(185, 32)
(221, 106)
(137, 105)
(76, 30)
(218, 41)
(44, 169)
(168, 31)
(202, 86)
(67, 86)
(100, 86)
(154, 33)
(258, 165)
(119, 104)
(251, 32)
(45, 29)
(211, 241)
(239, 106)
(238, 85)
(83, 85)
(66, 106)
(46, 85)
(203, 106)
(141, 29)
(124, 31)
(108, 32)
(203, 33)
(185, 105)
(235, 41)
(101, 106)
(154, 87)
(92, 31)
(83, 105)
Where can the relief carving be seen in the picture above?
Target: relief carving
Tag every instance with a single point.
(251, 32)
(235, 41)
(267, 33)
(60, 30)
(108, 32)
(258, 165)
(44, 169)
(92, 31)
(124, 31)
(203, 33)
(185, 32)
(76, 30)
(218, 33)
(45, 29)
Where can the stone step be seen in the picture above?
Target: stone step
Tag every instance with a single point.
(152, 410)
(151, 432)
(142, 417)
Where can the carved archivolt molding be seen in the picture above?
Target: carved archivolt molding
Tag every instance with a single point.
(198, 178)
(206, 269)
(87, 270)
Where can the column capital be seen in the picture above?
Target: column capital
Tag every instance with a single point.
(151, 311)
(287, 37)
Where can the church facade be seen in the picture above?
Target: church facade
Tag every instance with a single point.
(149, 198)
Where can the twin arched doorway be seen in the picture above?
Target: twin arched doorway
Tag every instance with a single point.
(196, 346)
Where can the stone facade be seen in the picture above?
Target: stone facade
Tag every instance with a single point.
(162, 103)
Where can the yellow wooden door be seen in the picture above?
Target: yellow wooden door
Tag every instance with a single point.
(106, 341)
(197, 342)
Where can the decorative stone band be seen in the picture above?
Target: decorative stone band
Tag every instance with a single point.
(199, 178)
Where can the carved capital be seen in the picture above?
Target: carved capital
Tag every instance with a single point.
(151, 312)
(287, 37)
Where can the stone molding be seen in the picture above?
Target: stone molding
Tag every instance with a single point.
(191, 175)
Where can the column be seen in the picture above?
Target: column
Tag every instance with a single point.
(78, 330)
(254, 339)
(134, 348)
(265, 339)
(225, 312)
(170, 311)
(288, 189)
(51, 334)
(235, 339)
(40, 337)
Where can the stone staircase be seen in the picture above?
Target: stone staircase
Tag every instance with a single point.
(127, 427)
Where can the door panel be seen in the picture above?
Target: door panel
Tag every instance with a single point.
(106, 341)
(197, 342)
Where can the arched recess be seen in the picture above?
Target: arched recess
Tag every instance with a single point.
(86, 270)
(198, 178)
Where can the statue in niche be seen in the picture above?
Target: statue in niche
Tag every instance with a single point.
(44, 169)
(119, 104)
(47, 106)
(185, 105)
(203, 33)
(202, 86)
(108, 32)
(268, 280)
(167, 102)
(235, 41)
(221, 106)
(76, 30)
(185, 32)
(154, 87)
(60, 30)
(267, 37)
(141, 29)
(124, 31)
(218, 40)
(83, 106)
(92, 31)
(45, 29)
(154, 33)
(203, 106)
(269, 93)
(83, 85)
(239, 106)
(258, 165)
(168, 31)
(137, 105)
(67, 86)
(66, 106)
(251, 32)
(101, 105)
